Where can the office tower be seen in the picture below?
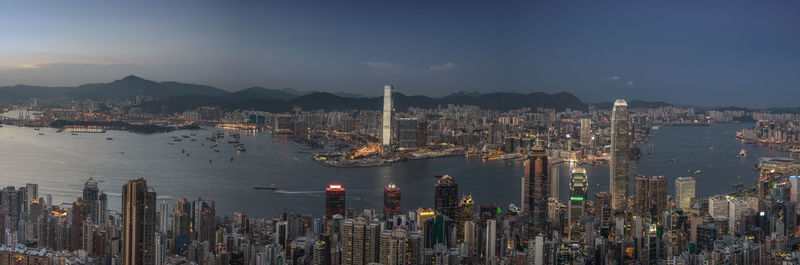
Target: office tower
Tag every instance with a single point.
(139, 223)
(8, 198)
(387, 116)
(90, 196)
(466, 210)
(102, 209)
(650, 195)
(181, 224)
(621, 132)
(446, 196)
(794, 181)
(334, 201)
(79, 215)
(407, 133)
(422, 134)
(603, 211)
(684, 192)
(34, 215)
(491, 242)
(33, 191)
(391, 201)
(554, 177)
(322, 251)
(204, 221)
(536, 187)
(393, 247)
(438, 230)
(578, 187)
(586, 132)
(163, 217)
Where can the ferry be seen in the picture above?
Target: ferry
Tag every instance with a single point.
(270, 187)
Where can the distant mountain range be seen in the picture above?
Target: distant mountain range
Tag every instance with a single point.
(178, 97)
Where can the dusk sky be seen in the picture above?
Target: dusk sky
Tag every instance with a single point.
(744, 53)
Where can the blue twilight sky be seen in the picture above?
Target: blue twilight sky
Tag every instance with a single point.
(729, 52)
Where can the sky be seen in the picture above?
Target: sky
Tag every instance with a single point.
(709, 53)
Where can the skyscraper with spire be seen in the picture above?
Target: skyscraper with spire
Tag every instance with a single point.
(536, 189)
(621, 131)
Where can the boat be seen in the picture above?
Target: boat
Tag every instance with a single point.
(270, 187)
(697, 172)
(743, 153)
(35, 128)
(41, 133)
(656, 127)
(241, 149)
(74, 133)
(737, 185)
(109, 138)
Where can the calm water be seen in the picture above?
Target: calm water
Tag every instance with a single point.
(60, 163)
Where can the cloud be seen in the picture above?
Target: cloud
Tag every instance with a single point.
(383, 69)
(630, 83)
(614, 78)
(442, 67)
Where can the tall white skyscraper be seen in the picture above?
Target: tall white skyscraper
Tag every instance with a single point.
(684, 192)
(387, 115)
(621, 135)
(491, 242)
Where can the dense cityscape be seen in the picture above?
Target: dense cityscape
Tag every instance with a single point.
(635, 221)
(546, 132)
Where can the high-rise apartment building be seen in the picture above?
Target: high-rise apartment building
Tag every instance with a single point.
(139, 223)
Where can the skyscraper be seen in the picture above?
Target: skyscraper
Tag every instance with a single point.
(359, 241)
(181, 224)
(393, 247)
(446, 196)
(794, 193)
(407, 133)
(491, 242)
(537, 184)
(684, 192)
(650, 195)
(467, 209)
(391, 201)
(90, 196)
(334, 200)
(620, 154)
(387, 116)
(139, 223)
(586, 132)
(577, 195)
